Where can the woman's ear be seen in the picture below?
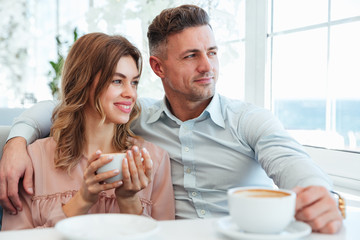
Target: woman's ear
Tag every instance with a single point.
(156, 66)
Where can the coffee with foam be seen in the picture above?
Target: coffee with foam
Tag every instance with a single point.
(261, 210)
(261, 193)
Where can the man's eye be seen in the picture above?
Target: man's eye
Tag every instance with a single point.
(212, 53)
(190, 56)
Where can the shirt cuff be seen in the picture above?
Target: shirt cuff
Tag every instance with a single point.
(23, 130)
(316, 182)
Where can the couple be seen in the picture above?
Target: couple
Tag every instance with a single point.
(214, 143)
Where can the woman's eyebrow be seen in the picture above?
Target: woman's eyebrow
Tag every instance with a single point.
(124, 76)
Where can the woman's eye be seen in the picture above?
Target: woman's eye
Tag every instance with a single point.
(117, 81)
(135, 83)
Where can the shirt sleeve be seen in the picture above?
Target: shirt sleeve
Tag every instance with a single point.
(33, 123)
(281, 156)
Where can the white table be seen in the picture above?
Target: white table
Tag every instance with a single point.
(196, 229)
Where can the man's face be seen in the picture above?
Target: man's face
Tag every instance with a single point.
(191, 67)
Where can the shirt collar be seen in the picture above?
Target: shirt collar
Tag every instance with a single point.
(213, 109)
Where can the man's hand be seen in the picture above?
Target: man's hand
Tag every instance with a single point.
(316, 206)
(14, 164)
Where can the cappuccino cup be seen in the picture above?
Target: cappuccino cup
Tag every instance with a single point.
(261, 210)
(116, 163)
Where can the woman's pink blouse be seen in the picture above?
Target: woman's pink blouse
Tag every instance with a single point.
(54, 188)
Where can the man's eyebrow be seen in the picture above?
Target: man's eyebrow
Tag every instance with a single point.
(191, 51)
(124, 76)
(197, 50)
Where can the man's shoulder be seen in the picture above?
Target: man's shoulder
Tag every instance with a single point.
(149, 107)
(233, 109)
(146, 103)
(237, 105)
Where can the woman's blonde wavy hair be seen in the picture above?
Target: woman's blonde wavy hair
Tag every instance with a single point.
(91, 54)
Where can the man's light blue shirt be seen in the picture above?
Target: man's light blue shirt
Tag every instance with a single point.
(230, 144)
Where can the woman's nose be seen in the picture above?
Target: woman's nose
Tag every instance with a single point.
(129, 91)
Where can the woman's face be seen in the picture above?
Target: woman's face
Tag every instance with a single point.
(120, 96)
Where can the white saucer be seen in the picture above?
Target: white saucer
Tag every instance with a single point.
(107, 226)
(295, 230)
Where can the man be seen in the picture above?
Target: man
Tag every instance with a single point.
(214, 143)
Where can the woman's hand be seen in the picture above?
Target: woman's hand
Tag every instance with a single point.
(92, 185)
(137, 175)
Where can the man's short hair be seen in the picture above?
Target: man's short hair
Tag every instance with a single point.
(171, 21)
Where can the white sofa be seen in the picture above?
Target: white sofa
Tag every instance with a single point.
(4, 132)
(7, 116)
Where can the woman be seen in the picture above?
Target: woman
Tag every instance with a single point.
(99, 92)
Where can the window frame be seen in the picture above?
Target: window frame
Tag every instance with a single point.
(342, 166)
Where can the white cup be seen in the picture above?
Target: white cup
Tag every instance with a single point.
(116, 163)
(261, 210)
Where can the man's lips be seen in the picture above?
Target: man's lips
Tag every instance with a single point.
(204, 80)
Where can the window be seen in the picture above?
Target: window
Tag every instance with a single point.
(30, 27)
(315, 70)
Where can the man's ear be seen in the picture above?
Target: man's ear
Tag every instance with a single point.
(156, 66)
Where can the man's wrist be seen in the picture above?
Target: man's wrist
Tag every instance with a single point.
(19, 141)
(340, 202)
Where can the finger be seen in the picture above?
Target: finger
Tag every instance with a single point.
(311, 212)
(13, 192)
(126, 172)
(97, 163)
(4, 200)
(332, 227)
(309, 196)
(28, 180)
(133, 170)
(108, 186)
(148, 163)
(95, 156)
(138, 159)
(321, 222)
(102, 177)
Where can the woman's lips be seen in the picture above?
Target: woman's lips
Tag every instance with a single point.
(124, 107)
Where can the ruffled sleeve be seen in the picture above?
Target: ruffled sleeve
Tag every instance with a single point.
(47, 210)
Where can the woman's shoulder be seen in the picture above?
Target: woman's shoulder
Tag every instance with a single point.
(44, 145)
(42, 149)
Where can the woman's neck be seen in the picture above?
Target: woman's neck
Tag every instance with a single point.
(98, 136)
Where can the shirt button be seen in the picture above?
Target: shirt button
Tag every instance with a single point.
(188, 170)
(186, 149)
(203, 212)
(194, 194)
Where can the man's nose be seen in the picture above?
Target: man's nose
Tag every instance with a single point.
(205, 65)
